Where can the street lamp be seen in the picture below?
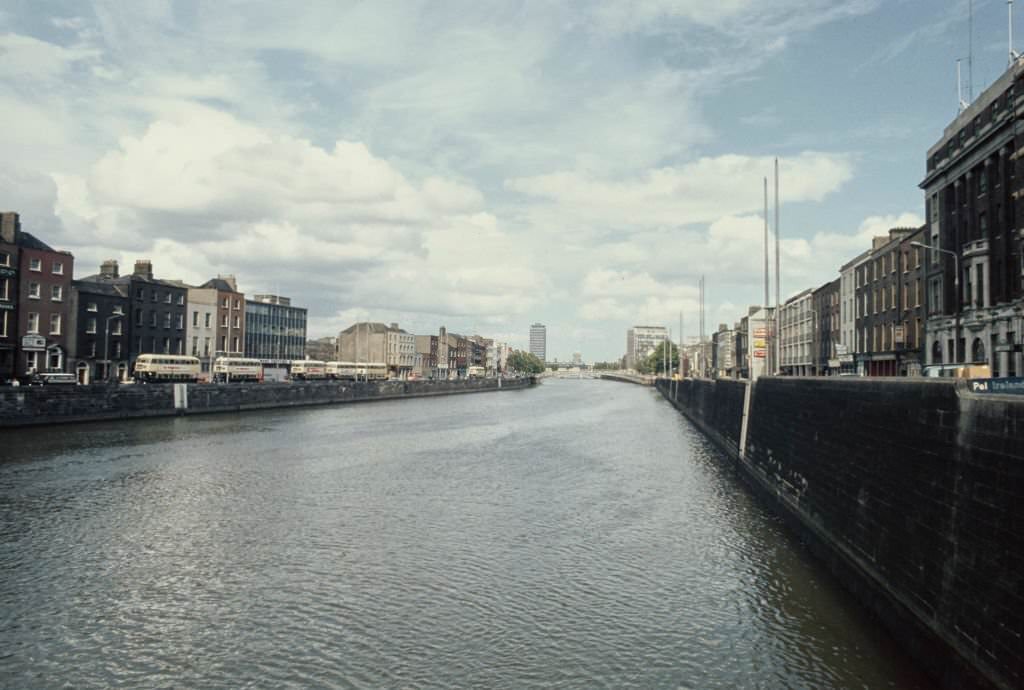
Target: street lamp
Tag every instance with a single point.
(956, 289)
(106, 343)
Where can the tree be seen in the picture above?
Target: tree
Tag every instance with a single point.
(655, 362)
(525, 362)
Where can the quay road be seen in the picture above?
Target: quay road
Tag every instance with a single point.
(580, 535)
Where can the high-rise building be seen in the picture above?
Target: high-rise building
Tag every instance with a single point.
(539, 341)
(641, 341)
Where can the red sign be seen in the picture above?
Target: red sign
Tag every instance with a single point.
(759, 354)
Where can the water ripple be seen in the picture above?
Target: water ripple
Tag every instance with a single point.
(580, 535)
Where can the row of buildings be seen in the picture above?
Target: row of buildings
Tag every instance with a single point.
(949, 292)
(97, 325)
(442, 356)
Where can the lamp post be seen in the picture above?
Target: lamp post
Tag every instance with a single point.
(106, 343)
(956, 289)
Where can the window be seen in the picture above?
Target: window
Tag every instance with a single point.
(91, 306)
(3, 324)
(167, 319)
(152, 319)
(33, 322)
(58, 268)
(223, 343)
(56, 293)
(917, 292)
(224, 321)
(179, 346)
(237, 303)
(234, 345)
(54, 324)
(195, 345)
(980, 297)
(892, 297)
(224, 303)
(238, 321)
(5, 289)
(117, 350)
(206, 347)
(116, 330)
(140, 293)
(138, 317)
(155, 296)
(33, 290)
(983, 181)
(92, 348)
(5, 259)
(207, 319)
(181, 321)
(31, 361)
(168, 297)
(90, 325)
(35, 264)
(195, 319)
(167, 346)
(181, 299)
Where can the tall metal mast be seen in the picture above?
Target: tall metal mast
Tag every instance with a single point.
(777, 334)
(766, 277)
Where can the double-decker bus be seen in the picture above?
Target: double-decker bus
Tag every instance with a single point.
(308, 370)
(154, 368)
(229, 369)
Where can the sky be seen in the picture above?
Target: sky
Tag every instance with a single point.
(481, 165)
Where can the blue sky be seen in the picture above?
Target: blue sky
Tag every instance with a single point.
(480, 165)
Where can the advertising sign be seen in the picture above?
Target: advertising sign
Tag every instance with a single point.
(900, 335)
(759, 353)
(1005, 386)
(33, 342)
(761, 332)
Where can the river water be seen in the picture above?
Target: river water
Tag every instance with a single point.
(580, 535)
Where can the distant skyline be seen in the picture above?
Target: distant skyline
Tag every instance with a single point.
(481, 165)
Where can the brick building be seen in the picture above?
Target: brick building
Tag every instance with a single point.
(10, 254)
(41, 285)
(826, 333)
(100, 328)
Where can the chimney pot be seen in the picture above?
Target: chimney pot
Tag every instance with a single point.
(144, 268)
(109, 269)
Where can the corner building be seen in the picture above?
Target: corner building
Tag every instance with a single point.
(973, 200)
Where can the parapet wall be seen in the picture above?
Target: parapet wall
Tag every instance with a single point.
(910, 490)
(32, 405)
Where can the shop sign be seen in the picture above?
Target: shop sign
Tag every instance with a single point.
(6, 306)
(759, 353)
(33, 342)
(1002, 386)
(900, 335)
(7, 273)
(761, 332)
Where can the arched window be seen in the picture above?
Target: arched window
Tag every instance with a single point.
(937, 352)
(978, 351)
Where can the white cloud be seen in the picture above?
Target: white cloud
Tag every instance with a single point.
(697, 192)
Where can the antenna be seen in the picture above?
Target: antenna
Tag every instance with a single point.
(970, 52)
(1014, 55)
(961, 103)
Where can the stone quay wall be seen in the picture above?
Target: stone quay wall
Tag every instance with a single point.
(911, 491)
(34, 405)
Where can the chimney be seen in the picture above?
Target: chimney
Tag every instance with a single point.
(144, 268)
(108, 269)
(10, 227)
(394, 326)
(230, 280)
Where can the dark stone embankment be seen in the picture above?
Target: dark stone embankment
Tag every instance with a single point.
(911, 491)
(32, 405)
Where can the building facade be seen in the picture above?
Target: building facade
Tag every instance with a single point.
(849, 343)
(100, 330)
(44, 305)
(201, 332)
(975, 284)
(10, 256)
(230, 336)
(827, 326)
(275, 331)
(797, 325)
(539, 341)
(158, 309)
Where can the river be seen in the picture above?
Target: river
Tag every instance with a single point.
(577, 535)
